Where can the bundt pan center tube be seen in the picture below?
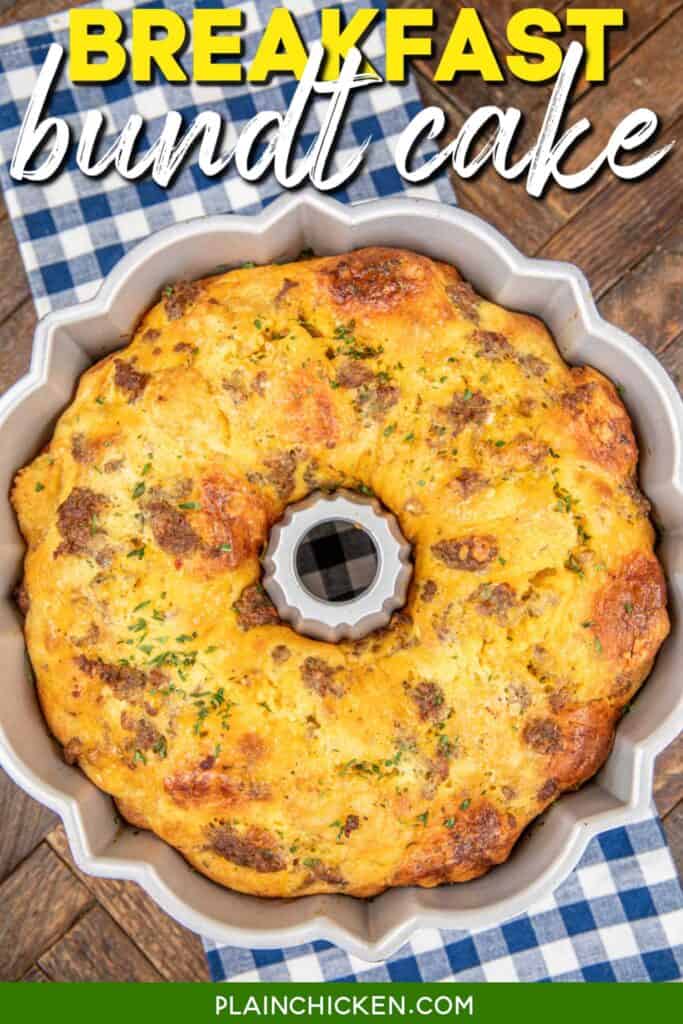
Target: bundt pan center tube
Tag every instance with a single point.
(372, 575)
(67, 342)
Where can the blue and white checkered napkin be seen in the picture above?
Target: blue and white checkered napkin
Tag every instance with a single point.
(618, 917)
(620, 914)
(74, 229)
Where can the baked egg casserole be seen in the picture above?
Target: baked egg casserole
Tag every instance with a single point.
(284, 766)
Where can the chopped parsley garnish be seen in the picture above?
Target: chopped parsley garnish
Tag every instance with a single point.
(371, 769)
(339, 825)
(465, 804)
(189, 505)
(345, 333)
(40, 487)
(423, 818)
(161, 747)
(139, 756)
(445, 747)
(214, 702)
(565, 501)
(573, 565)
(137, 553)
(138, 490)
(583, 535)
(166, 691)
(350, 348)
(176, 659)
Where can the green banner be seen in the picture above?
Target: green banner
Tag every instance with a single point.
(262, 1002)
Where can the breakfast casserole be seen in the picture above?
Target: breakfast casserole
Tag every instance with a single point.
(281, 765)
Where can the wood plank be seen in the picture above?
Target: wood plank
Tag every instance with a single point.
(528, 220)
(24, 823)
(642, 81)
(525, 221)
(673, 826)
(668, 788)
(14, 287)
(496, 13)
(646, 302)
(650, 77)
(25, 10)
(176, 952)
(587, 98)
(96, 949)
(672, 361)
(470, 91)
(35, 974)
(642, 18)
(619, 227)
(16, 340)
(39, 901)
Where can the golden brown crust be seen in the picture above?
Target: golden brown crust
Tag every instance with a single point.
(280, 765)
(629, 612)
(376, 280)
(596, 417)
(465, 846)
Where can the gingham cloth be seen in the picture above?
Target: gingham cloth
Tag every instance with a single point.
(620, 914)
(336, 561)
(618, 917)
(73, 230)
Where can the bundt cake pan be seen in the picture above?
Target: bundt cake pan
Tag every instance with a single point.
(67, 341)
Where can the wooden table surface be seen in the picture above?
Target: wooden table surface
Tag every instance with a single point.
(59, 925)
